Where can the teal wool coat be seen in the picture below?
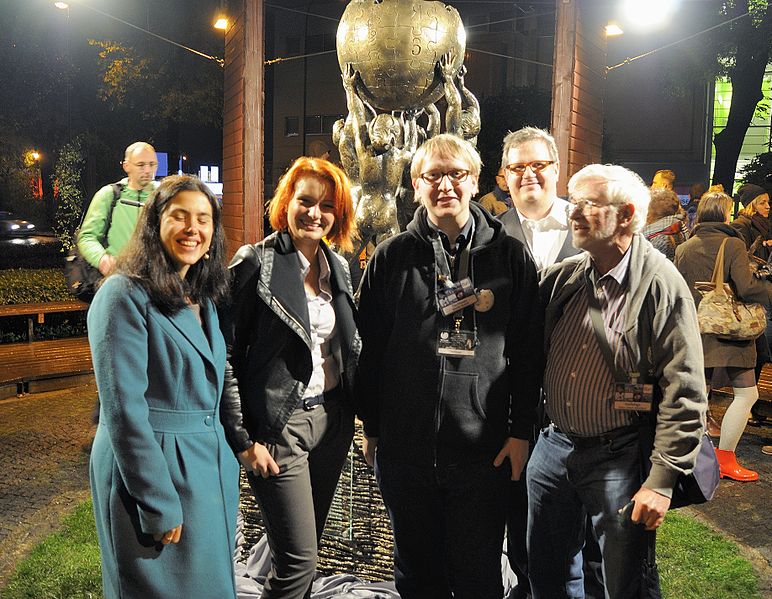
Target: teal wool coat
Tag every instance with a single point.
(159, 457)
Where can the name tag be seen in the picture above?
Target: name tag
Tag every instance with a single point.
(456, 296)
(456, 343)
(632, 397)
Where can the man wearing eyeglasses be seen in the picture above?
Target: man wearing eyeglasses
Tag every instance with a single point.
(448, 378)
(619, 321)
(538, 218)
(110, 220)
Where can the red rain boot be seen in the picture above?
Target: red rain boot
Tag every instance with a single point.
(729, 468)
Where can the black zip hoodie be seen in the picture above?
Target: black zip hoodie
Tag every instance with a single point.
(437, 410)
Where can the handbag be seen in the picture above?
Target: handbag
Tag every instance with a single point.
(700, 484)
(721, 314)
(82, 278)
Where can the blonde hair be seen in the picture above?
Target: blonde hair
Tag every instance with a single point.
(446, 146)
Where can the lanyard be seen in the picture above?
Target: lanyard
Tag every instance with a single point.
(441, 258)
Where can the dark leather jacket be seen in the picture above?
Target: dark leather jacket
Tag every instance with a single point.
(267, 334)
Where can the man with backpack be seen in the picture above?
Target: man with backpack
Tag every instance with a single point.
(114, 209)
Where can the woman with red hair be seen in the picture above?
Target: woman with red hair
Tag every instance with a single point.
(292, 350)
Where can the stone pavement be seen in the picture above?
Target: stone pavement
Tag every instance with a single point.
(44, 474)
(43, 468)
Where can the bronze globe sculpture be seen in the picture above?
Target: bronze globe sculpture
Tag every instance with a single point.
(395, 45)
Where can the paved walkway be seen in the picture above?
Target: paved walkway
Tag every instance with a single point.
(43, 469)
(44, 474)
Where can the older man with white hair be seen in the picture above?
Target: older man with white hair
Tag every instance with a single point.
(622, 348)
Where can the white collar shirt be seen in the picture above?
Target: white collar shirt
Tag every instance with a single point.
(321, 315)
(545, 236)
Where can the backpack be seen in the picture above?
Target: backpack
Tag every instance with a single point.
(82, 278)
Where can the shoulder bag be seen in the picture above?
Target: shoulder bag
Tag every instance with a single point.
(721, 314)
(82, 278)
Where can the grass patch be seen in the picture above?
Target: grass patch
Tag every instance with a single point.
(64, 566)
(697, 563)
(694, 563)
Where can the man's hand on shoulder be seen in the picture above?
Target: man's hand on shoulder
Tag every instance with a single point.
(650, 508)
(516, 450)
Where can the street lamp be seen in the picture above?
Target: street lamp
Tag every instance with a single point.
(61, 5)
(612, 30)
(221, 23)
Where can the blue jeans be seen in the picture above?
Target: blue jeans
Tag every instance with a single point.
(448, 525)
(565, 485)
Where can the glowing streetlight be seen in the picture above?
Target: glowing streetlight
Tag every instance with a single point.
(61, 5)
(612, 30)
(649, 14)
(221, 23)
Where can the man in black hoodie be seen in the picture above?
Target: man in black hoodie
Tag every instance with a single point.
(449, 378)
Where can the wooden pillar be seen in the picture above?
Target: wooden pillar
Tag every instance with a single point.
(243, 140)
(578, 86)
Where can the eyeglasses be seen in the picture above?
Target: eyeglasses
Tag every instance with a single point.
(434, 177)
(586, 207)
(141, 165)
(536, 166)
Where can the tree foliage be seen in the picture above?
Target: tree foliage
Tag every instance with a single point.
(744, 56)
(759, 171)
(67, 181)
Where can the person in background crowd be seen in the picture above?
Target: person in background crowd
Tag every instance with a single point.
(447, 387)
(753, 220)
(498, 200)
(695, 260)
(695, 192)
(293, 347)
(663, 179)
(625, 295)
(100, 244)
(664, 222)
(164, 484)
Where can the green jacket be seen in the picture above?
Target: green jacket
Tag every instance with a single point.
(93, 240)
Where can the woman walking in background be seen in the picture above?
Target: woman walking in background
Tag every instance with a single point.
(163, 479)
(292, 350)
(695, 259)
(753, 221)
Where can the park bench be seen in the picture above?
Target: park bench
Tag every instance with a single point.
(34, 366)
(37, 312)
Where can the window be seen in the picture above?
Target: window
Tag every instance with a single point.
(291, 124)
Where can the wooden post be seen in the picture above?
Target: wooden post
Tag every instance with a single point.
(578, 86)
(243, 139)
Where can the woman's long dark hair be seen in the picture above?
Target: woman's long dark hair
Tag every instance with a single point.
(145, 259)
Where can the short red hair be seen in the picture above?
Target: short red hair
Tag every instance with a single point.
(338, 187)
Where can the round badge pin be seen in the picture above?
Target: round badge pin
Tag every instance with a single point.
(484, 300)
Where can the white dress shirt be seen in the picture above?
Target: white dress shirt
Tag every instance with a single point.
(546, 235)
(321, 315)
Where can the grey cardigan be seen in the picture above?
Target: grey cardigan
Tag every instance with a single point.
(662, 335)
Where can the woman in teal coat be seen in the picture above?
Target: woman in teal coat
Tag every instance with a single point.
(163, 479)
